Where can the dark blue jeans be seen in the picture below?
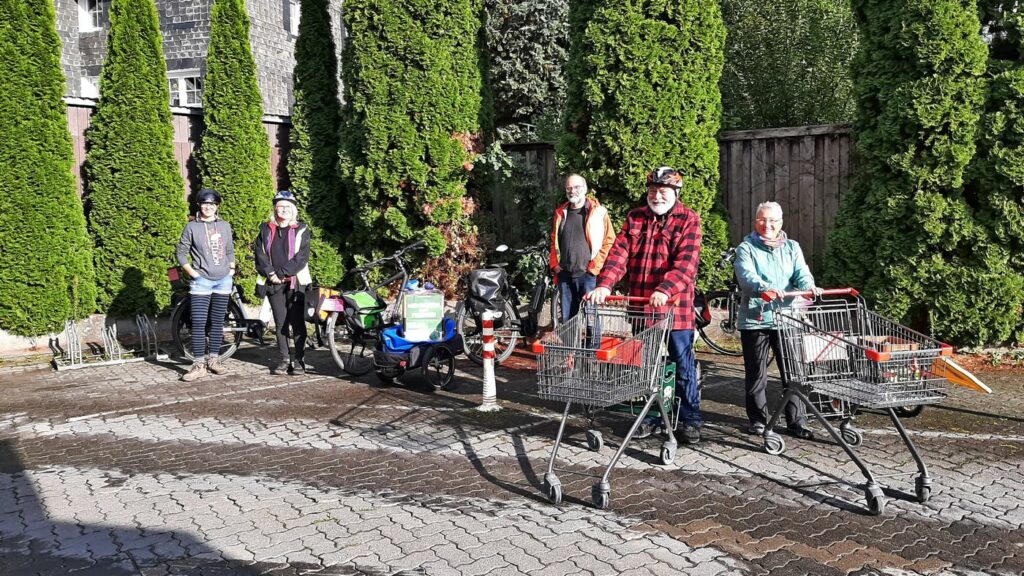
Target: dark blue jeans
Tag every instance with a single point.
(573, 290)
(680, 351)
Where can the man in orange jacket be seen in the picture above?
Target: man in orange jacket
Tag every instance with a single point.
(580, 240)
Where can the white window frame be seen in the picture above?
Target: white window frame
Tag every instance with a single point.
(90, 15)
(294, 12)
(178, 86)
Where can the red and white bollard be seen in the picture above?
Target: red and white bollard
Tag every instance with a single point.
(489, 402)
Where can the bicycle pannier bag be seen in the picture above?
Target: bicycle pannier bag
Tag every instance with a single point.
(486, 290)
(315, 297)
(362, 309)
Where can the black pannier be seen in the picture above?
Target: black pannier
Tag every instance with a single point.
(486, 290)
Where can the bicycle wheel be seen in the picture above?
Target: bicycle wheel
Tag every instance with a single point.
(505, 336)
(721, 333)
(556, 308)
(351, 354)
(181, 333)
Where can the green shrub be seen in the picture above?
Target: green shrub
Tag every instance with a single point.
(787, 63)
(909, 234)
(135, 199)
(642, 85)
(46, 273)
(313, 154)
(410, 128)
(234, 156)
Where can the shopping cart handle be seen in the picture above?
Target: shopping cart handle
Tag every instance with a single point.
(633, 299)
(810, 294)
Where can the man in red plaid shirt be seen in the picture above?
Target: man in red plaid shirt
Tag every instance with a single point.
(657, 252)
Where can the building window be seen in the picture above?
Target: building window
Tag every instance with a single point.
(293, 17)
(89, 88)
(90, 15)
(186, 89)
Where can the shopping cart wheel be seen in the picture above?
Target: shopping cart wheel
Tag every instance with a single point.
(774, 444)
(594, 440)
(851, 436)
(602, 498)
(668, 453)
(876, 502)
(923, 488)
(554, 491)
(909, 411)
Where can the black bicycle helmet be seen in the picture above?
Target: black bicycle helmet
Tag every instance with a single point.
(285, 196)
(665, 176)
(207, 195)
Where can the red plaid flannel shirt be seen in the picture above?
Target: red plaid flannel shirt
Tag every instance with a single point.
(657, 253)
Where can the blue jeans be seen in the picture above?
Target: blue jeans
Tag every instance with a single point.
(680, 351)
(573, 290)
(201, 286)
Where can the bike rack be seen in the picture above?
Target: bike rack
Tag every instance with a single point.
(107, 352)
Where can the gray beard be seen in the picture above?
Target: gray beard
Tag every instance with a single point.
(662, 210)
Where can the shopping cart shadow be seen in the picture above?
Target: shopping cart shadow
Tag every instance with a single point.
(802, 488)
(27, 539)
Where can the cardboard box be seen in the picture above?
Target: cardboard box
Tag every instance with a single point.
(889, 343)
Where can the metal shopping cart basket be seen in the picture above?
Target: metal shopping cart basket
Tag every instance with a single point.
(604, 356)
(840, 350)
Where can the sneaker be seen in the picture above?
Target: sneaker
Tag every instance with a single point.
(197, 371)
(801, 432)
(215, 367)
(281, 367)
(648, 427)
(757, 428)
(691, 434)
(299, 368)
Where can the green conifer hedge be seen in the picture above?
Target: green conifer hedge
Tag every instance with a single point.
(642, 82)
(46, 273)
(908, 234)
(410, 126)
(234, 156)
(135, 202)
(313, 154)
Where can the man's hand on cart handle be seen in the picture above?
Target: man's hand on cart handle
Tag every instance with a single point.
(659, 299)
(598, 295)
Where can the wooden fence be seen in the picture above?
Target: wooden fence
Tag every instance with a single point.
(805, 169)
(188, 129)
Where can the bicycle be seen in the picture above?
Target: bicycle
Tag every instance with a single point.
(717, 312)
(358, 324)
(511, 324)
(236, 321)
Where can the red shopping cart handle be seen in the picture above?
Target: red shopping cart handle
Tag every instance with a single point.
(633, 299)
(810, 293)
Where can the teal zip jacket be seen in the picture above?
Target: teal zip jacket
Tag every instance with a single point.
(760, 268)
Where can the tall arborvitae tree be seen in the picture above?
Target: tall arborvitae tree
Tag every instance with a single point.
(908, 235)
(410, 124)
(136, 205)
(642, 93)
(995, 184)
(313, 154)
(234, 157)
(46, 273)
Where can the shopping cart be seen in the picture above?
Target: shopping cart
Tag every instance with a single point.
(841, 351)
(604, 356)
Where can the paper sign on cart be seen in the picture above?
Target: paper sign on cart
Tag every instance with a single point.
(820, 347)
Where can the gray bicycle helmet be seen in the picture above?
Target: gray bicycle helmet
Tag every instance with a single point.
(285, 196)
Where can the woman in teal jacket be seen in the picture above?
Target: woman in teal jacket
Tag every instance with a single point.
(767, 263)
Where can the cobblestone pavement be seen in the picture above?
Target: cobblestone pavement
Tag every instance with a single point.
(124, 470)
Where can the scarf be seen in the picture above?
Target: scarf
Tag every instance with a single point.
(780, 240)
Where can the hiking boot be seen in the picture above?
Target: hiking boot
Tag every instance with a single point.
(801, 432)
(691, 434)
(215, 367)
(757, 428)
(281, 367)
(197, 371)
(298, 368)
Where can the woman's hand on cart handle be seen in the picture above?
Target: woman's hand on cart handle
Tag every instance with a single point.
(769, 295)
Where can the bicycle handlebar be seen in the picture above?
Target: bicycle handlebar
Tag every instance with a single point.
(810, 293)
(396, 257)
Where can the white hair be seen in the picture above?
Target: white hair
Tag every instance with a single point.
(769, 206)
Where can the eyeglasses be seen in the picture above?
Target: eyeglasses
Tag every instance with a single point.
(207, 203)
(661, 191)
(768, 220)
(576, 187)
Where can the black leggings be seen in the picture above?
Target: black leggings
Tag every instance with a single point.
(756, 344)
(288, 306)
